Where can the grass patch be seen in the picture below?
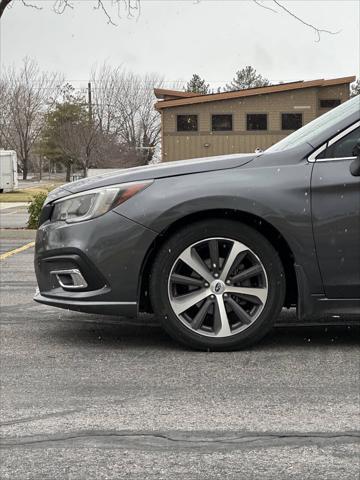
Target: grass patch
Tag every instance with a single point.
(28, 194)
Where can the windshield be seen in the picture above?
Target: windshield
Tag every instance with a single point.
(312, 129)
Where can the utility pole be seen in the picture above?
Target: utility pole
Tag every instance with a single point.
(89, 102)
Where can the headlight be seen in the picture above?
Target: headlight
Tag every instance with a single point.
(83, 206)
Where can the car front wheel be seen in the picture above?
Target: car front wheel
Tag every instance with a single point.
(218, 285)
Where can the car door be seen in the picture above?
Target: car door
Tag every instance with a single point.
(335, 198)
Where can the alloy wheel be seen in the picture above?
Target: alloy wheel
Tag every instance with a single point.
(217, 287)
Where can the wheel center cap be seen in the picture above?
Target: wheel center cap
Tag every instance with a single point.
(217, 287)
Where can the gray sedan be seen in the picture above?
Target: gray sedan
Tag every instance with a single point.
(215, 247)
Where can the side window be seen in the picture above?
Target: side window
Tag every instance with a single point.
(342, 148)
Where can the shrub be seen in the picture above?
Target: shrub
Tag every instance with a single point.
(34, 210)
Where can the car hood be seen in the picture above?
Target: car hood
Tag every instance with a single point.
(161, 170)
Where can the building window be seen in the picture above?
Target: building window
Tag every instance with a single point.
(221, 123)
(256, 121)
(330, 103)
(187, 123)
(291, 121)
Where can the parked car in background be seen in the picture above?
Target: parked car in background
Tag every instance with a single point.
(218, 246)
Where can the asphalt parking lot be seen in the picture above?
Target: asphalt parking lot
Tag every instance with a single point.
(91, 397)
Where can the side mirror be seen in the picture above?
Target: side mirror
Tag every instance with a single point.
(355, 167)
(356, 149)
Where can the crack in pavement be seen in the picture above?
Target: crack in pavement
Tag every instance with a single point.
(178, 440)
(18, 421)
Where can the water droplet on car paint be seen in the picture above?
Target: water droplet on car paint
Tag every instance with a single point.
(169, 250)
(345, 230)
(306, 194)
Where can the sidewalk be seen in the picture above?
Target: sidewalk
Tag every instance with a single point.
(13, 215)
(6, 205)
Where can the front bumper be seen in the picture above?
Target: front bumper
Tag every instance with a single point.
(109, 251)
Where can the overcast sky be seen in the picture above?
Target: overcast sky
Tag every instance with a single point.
(177, 38)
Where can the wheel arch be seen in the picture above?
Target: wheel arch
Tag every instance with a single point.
(257, 223)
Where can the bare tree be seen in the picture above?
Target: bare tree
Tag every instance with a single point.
(124, 107)
(26, 96)
(132, 9)
(4, 105)
(81, 143)
(106, 87)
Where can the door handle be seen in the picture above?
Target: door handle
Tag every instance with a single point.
(355, 167)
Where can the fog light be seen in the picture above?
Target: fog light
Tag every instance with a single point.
(70, 279)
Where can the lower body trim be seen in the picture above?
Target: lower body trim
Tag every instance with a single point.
(103, 308)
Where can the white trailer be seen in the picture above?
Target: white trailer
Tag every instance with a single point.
(8, 171)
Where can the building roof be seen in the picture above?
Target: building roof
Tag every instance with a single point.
(166, 94)
(183, 98)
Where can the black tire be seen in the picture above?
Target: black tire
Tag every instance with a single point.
(196, 232)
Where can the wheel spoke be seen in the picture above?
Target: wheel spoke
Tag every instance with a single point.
(183, 280)
(184, 302)
(214, 254)
(254, 295)
(239, 311)
(201, 314)
(248, 273)
(221, 321)
(193, 260)
(208, 292)
(236, 249)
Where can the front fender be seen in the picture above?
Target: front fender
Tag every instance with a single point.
(279, 195)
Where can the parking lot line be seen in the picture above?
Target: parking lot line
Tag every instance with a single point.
(16, 250)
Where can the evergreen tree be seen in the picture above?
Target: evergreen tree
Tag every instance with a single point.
(247, 78)
(70, 113)
(197, 85)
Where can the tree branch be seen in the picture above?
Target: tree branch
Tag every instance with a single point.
(100, 6)
(264, 6)
(60, 6)
(317, 31)
(31, 5)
